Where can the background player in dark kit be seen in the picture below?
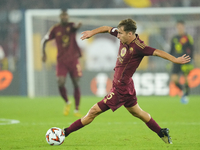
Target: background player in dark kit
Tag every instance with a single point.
(131, 52)
(64, 34)
(182, 43)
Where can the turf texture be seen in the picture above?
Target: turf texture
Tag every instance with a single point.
(109, 131)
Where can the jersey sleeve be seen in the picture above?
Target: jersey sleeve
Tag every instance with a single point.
(73, 28)
(147, 51)
(114, 31)
(144, 49)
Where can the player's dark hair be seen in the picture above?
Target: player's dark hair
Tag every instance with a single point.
(64, 10)
(128, 24)
(180, 21)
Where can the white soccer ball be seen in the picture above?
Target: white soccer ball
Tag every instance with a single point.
(55, 136)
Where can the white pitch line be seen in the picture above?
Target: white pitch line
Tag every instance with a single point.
(100, 123)
(4, 121)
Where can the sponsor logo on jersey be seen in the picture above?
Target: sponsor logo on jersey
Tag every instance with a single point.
(65, 40)
(131, 50)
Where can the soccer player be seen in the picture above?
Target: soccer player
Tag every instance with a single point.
(67, 58)
(131, 52)
(182, 44)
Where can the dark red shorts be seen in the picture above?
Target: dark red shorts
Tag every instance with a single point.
(114, 100)
(73, 68)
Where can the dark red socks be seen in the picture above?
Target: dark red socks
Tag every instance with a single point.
(153, 126)
(73, 127)
(63, 93)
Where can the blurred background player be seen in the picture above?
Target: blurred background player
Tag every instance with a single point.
(182, 43)
(68, 55)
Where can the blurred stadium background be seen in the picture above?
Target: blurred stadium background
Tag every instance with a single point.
(24, 23)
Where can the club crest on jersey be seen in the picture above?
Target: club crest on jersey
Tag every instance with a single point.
(183, 40)
(65, 40)
(123, 51)
(131, 50)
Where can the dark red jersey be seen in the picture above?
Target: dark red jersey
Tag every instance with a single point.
(65, 37)
(128, 60)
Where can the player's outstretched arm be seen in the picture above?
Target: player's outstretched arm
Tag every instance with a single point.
(44, 56)
(77, 26)
(88, 34)
(179, 60)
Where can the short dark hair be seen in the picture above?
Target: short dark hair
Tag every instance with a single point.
(63, 12)
(180, 21)
(128, 24)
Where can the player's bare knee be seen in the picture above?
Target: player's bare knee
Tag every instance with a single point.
(61, 83)
(75, 82)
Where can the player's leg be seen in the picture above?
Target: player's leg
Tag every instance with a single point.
(61, 72)
(63, 92)
(75, 74)
(87, 119)
(187, 88)
(150, 122)
(175, 77)
(186, 68)
(175, 80)
(184, 98)
(61, 86)
(77, 95)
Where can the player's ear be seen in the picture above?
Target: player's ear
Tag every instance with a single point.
(130, 33)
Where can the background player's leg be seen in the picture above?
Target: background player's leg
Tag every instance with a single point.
(184, 98)
(187, 88)
(77, 94)
(145, 117)
(87, 119)
(61, 86)
(75, 74)
(63, 92)
(175, 79)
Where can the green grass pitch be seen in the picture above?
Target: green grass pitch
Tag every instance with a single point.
(109, 131)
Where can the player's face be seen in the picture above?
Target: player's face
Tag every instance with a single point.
(122, 35)
(180, 28)
(64, 18)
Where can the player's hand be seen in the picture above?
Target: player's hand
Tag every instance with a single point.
(44, 58)
(79, 24)
(86, 35)
(183, 59)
